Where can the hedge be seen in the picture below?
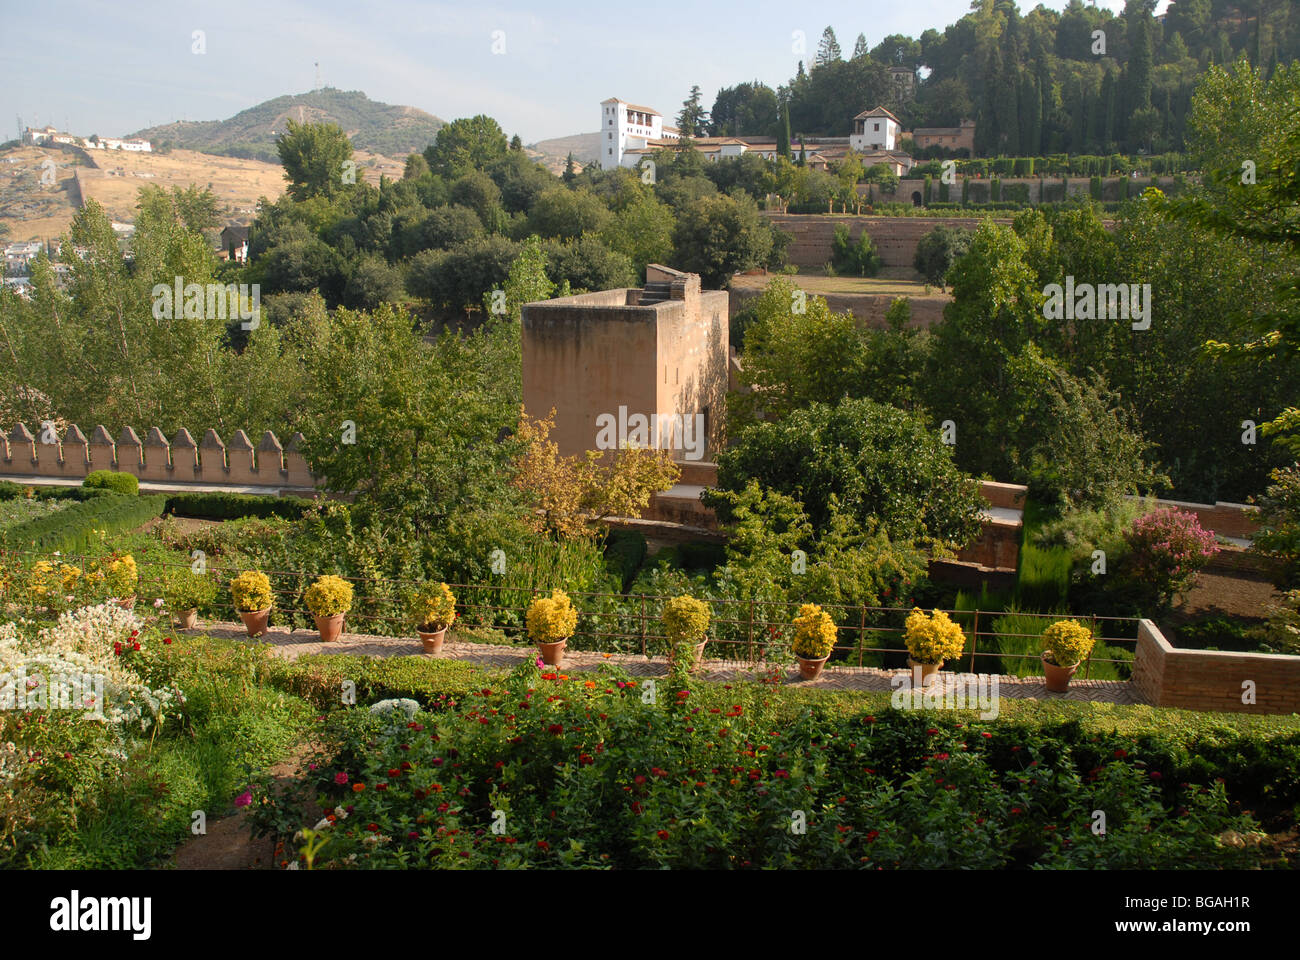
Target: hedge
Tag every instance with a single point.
(625, 551)
(234, 506)
(111, 480)
(76, 527)
(13, 491)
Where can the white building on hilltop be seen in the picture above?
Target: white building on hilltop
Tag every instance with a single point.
(626, 126)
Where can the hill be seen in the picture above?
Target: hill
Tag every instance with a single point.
(381, 128)
(553, 153)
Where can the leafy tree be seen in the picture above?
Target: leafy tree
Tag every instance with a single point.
(587, 264)
(719, 236)
(575, 495)
(314, 157)
(874, 462)
(642, 231)
(938, 250)
(415, 168)
(526, 281)
(470, 143)
(457, 278)
(567, 214)
(479, 192)
(1278, 536)
(860, 47)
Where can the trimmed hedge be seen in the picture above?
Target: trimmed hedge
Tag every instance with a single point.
(234, 506)
(109, 480)
(13, 491)
(75, 527)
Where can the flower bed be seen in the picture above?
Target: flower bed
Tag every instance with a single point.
(557, 770)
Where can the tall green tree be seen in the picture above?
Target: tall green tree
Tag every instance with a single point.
(316, 158)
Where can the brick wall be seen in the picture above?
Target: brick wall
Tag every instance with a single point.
(1166, 676)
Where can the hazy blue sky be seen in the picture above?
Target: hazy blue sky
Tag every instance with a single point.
(111, 68)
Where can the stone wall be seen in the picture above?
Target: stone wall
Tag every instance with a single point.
(180, 460)
(1166, 676)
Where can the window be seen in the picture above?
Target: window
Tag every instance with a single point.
(875, 127)
(609, 136)
(611, 151)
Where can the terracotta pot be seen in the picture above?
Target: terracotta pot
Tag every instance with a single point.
(929, 671)
(432, 639)
(188, 619)
(811, 669)
(553, 653)
(255, 621)
(1058, 678)
(696, 655)
(329, 627)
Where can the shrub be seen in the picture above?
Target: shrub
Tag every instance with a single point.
(856, 258)
(686, 620)
(550, 619)
(186, 590)
(329, 596)
(111, 480)
(932, 639)
(814, 633)
(251, 590)
(625, 551)
(1167, 548)
(1067, 643)
(433, 607)
(121, 576)
(233, 506)
(1279, 530)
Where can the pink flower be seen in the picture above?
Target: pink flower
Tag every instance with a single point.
(244, 799)
(340, 778)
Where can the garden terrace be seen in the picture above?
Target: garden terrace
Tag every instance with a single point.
(1130, 663)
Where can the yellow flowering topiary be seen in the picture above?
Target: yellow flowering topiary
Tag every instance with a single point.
(251, 590)
(686, 620)
(1067, 643)
(433, 607)
(814, 633)
(552, 618)
(329, 596)
(932, 639)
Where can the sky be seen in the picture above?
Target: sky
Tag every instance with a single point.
(112, 67)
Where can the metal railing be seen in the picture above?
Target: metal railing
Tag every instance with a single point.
(746, 630)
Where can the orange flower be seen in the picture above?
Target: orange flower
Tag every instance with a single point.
(358, 787)
(606, 655)
(589, 684)
(564, 676)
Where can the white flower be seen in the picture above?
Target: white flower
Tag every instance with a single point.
(404, 704)
(158, 603)
(292, 866)
(322, 825)
(340, 812)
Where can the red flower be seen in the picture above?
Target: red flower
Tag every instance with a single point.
(986, 735)
(167, 640)
(872, 834)
(661, 834)
(781, 774)
(1121, 753)
(543, 845)
(932, 731)
(340, 778)
(555, 728)
(394, 772)
(1015, 810)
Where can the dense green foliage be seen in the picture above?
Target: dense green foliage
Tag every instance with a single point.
(79, 524)
(112, 480)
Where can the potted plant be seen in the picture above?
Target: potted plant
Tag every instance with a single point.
(814, 637)
(1066, 644)
(329, 599)
(550, 622)
(121, 579)
(251, 592)
(686, 624)
(433, 608)
(930, 641)
(184, 592)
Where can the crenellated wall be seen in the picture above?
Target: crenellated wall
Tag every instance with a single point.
(157, 459)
